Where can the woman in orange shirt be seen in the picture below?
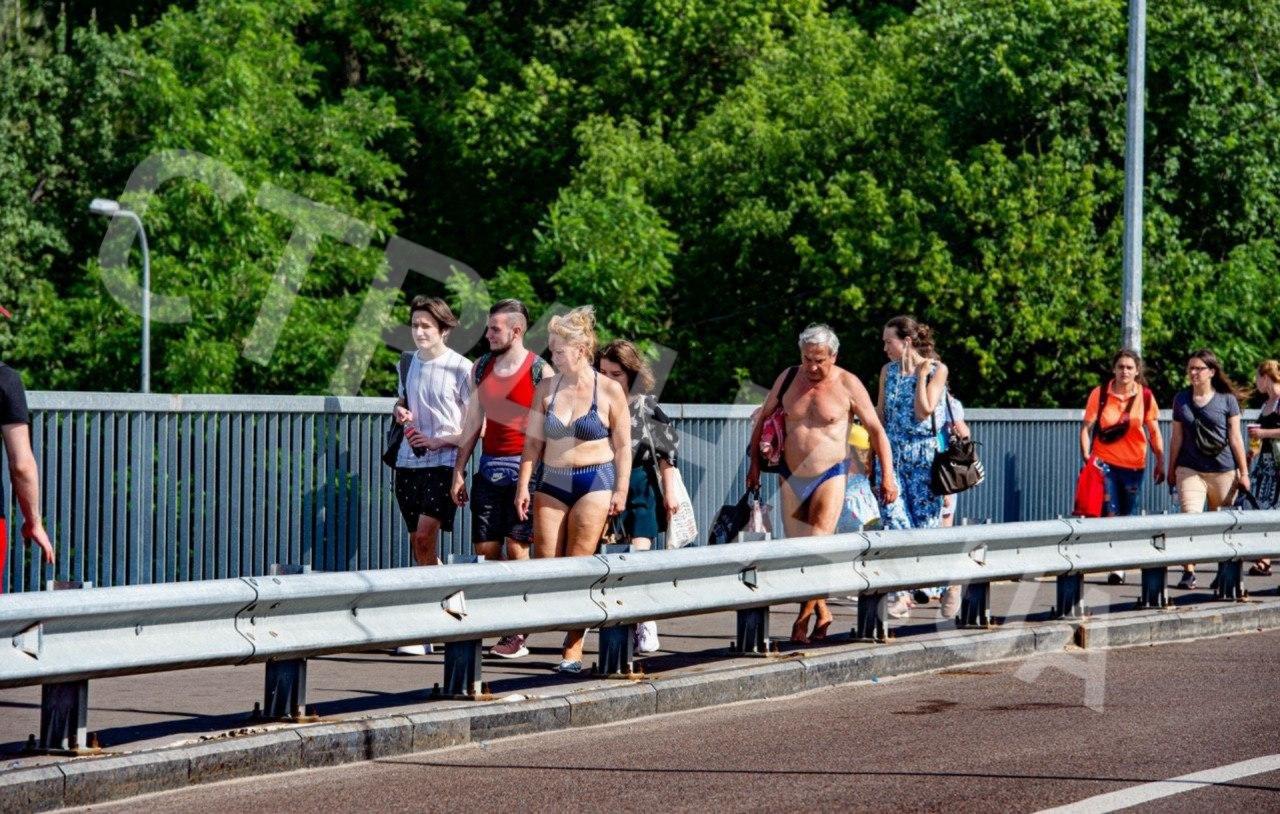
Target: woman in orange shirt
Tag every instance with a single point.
(1120, 424)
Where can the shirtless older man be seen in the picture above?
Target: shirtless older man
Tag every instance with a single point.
(820, 401)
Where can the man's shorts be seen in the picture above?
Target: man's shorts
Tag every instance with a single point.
(493, 502)
(426, 491)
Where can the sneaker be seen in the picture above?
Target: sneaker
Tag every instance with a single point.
(412, 650)
(951, 601)
(647, 637)
(1115, 578)
(900, 608)
(510, 647)
(919, 597)
(569, 667)
(1188, 581)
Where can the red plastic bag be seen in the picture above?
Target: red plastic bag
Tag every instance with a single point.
(1090, 489)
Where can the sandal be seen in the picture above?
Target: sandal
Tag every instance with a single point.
(1260, 569)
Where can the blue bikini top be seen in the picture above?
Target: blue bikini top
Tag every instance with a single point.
(588, 427)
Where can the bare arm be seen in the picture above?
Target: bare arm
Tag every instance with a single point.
(884, 373)
(534, 444)
(1175, 446)
(1085, 440)
(929, 388)
(472, 424)
(1237, 450)
(26, 485)
(860, 401)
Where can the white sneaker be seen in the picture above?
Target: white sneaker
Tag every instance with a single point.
(647, 637)
(413, 650)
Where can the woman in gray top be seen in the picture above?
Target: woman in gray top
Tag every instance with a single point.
(1207, 448)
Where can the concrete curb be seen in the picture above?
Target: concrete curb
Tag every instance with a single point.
(84, 781)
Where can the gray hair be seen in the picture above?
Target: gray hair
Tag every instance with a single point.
(819, 334)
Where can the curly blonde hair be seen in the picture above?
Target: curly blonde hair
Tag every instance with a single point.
(577, 327)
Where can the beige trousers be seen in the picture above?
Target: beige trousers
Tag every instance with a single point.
(1195, 487)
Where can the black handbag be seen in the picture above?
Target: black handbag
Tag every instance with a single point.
(957, 467)
(731, 519)
(395, 433)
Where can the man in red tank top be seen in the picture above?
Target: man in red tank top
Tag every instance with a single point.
(503, 382)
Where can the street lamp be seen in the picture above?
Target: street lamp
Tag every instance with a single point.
(113, 209)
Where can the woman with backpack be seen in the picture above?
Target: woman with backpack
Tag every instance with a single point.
(1121, 423)
(1207, 447)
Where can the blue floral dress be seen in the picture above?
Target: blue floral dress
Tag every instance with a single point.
(913, 443)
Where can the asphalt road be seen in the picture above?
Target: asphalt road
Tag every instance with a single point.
(1017, 736)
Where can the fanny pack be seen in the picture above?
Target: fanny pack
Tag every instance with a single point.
(499, 470)
(1208, 440)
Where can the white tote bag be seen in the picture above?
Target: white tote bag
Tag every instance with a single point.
(682, 528)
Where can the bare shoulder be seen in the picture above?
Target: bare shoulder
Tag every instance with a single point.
(611, 389)
(850, 381)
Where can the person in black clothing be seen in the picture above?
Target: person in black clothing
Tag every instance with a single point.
(15, 425)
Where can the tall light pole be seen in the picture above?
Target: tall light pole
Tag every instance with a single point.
(112, 209)
(1131, 320)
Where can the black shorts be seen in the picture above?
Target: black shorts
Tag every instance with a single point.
(426, 491)
(493, 512)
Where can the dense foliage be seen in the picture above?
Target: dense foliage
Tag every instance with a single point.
(711, 174)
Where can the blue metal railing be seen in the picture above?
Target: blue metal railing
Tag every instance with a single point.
(145, 489)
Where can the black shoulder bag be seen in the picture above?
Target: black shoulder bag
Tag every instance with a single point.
(957, 467)
(395, 433)
(1206, 436)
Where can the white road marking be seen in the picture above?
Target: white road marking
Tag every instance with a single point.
(1124, 798)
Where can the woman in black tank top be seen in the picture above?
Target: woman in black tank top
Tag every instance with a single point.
(1264, 448)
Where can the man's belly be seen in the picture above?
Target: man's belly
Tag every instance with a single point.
(813, 450)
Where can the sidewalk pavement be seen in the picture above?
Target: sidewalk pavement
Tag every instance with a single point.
(144, 712)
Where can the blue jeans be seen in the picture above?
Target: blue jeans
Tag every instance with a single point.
(1123, 486)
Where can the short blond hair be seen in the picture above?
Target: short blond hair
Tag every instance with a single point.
(577, 327)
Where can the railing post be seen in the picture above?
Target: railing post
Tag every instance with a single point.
(64, 706)
(873, 618)
(1154, 592)
(1230, 582)
(1070, 598)
(618, 642)
(463, 662)
(752, 623)
(975, 606)
(284, 686)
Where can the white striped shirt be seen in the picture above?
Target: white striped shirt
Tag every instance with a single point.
(436, 393)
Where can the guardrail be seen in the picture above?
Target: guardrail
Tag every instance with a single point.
(63, 639)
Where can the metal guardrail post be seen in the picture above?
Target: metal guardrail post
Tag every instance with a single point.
(1154, 592)
(1229, 586)
(284, 693)
(617, 643)
(873, 618)
(752, 623)
(64, 706)
(463, 661)
(1070, 597)
(975, 606)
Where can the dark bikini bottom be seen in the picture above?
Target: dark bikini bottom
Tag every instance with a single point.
(568, 484)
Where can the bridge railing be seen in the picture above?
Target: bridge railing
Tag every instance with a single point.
(144, 489)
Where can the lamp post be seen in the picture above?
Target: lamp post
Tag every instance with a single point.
(112, 209)
(1131, 320)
